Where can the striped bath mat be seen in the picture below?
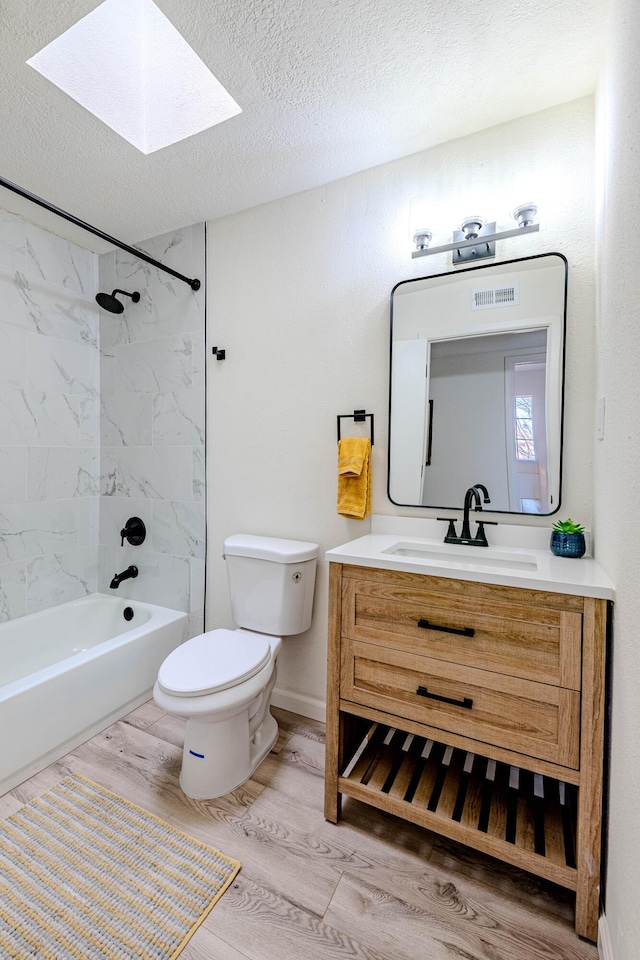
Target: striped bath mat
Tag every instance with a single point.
(85, 875)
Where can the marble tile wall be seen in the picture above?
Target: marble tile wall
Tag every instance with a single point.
(49, 419)
(152, 424)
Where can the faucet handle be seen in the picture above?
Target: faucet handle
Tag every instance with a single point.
(451, 532)
(480, 538)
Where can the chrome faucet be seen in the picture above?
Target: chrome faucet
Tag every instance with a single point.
(129, 574)
(476, 495)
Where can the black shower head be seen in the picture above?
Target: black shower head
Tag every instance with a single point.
(109, 302)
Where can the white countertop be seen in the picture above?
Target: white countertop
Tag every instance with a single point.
(530, 565)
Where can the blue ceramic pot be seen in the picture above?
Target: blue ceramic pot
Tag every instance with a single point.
(567, 544)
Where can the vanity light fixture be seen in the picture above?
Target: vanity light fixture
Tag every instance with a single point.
(471, 227)
(422, 238)
(524, 214)
(476, 240)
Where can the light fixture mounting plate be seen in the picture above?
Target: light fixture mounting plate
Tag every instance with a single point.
(481, 250)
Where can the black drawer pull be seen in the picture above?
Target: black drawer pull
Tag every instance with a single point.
(462, 631)
(466, 702)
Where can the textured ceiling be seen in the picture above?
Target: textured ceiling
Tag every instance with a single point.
(327, 88)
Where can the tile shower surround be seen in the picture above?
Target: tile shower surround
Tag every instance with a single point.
(49, 419)
(89, 438)
(152, 403)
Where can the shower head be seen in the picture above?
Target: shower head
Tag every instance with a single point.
(108, 301)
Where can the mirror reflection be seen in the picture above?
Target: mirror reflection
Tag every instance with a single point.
(476, 386)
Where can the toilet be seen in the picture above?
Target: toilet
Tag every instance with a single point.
(221, 681)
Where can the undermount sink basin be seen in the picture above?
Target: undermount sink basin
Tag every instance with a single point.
(518, 556)
(463, 556)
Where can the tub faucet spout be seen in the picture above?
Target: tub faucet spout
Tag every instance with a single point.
(128, 574)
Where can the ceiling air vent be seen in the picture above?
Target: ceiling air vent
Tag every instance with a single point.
(491, 297)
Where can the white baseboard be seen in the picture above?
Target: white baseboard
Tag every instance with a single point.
(299, 703)
(605, 950)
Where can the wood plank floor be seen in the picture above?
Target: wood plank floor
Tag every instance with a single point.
(370, 888)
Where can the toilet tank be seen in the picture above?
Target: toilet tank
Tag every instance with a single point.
(271, 583)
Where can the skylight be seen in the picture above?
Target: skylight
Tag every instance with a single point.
(128, 65)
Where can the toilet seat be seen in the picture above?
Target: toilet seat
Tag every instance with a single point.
(214, 661)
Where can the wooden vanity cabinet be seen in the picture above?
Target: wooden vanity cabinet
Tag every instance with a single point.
(475, 710)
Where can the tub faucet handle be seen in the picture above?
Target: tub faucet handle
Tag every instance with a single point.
(134, 531)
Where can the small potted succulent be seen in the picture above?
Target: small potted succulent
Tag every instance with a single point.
(567, 539)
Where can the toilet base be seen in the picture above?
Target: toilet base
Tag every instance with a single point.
(220, 756)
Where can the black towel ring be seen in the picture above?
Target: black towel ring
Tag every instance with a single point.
(359, 416)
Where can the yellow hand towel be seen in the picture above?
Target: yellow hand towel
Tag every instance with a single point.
(354, 477)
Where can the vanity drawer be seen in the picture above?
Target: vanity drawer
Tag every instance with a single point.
(535, 719)
(490, 628)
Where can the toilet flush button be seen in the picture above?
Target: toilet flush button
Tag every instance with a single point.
(297, 576)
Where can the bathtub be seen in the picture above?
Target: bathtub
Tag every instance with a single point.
(68, 672)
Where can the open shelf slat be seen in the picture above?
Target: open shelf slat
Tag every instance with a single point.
(491, 806)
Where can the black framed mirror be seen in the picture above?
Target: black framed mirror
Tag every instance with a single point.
(477, 386)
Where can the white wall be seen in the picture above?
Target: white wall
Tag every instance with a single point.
(473, 383)
(617, 456)
(460, 385)
(299, 298)
(428, 310)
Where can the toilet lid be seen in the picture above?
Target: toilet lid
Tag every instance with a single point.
(214, 661)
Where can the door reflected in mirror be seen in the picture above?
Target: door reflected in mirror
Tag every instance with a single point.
(477, 384)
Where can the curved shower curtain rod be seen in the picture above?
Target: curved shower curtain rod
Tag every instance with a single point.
(194, 284)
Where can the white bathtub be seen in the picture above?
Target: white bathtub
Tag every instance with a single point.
(68, 672)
